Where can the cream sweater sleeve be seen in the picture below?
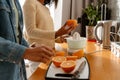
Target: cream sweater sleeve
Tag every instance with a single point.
(29, 11)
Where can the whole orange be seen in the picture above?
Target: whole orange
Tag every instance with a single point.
(72, 22)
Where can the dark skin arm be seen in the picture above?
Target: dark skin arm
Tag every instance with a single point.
(39, 53)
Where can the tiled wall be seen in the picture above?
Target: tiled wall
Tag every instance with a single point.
(114, 5)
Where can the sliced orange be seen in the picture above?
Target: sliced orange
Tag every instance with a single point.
(72, 22)
(59, 53)
(68, 66)
(72, 57)
(57, 60)
(79, 53)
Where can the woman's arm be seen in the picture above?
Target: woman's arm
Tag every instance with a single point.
(29, 10)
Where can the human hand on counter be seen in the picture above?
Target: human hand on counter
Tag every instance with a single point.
(39, 53)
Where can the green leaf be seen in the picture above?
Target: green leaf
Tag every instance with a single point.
(93, 14)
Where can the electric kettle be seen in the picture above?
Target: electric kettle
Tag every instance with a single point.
(102, 33)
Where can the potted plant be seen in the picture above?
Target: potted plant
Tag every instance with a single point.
(93, 15)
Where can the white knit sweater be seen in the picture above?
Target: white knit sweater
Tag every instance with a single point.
(39, 26)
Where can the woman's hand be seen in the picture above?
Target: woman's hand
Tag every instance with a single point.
(65, 29)
(61, 39)
(39, 53)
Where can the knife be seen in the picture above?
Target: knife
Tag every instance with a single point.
(76, 74)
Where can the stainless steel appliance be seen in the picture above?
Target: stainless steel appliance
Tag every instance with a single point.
(106, 31)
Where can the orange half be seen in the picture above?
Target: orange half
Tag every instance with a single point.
(72, 57)
(57, 60)
(68, 66)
